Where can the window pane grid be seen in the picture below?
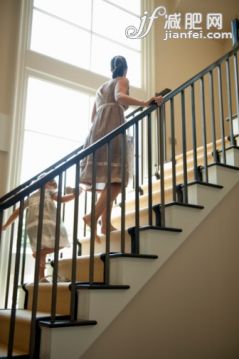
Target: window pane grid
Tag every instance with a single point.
(64, 36)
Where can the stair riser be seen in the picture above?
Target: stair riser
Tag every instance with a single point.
(22, 333)
(130, 219)
(182, 217)
(199, 194)
(45, 300)
(232, 157)
(82, 274)
(143, 202)
(222, 175)
(115, 244)
(156, 188)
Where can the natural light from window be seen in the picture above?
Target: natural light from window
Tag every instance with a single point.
(87, 34)
(57, 122)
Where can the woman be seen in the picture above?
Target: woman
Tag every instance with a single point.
(112, 99)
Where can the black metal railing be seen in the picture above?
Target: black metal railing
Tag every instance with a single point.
(193, 116)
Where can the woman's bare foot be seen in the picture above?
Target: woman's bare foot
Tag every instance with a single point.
(87, 220)
(103, 229)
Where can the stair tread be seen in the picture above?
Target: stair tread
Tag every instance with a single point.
(180, 204)
(101, 286)
(224, 165)
(18, 353)
(61, 323)
(157, 228)
(133, 255)
(23, 315)
(205, 184)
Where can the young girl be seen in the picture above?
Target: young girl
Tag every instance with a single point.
(49, 222)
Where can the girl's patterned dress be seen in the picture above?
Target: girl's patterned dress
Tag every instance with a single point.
(49, 222)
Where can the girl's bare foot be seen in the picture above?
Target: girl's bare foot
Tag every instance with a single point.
(87, 220)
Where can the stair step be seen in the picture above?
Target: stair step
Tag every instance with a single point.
(82, 271)
(115, 243)
(45, 296)
(18, 354)
(135, 235)
(66, 323)
(176, 213)
(22, 327)
(133, 255)
(101, 286)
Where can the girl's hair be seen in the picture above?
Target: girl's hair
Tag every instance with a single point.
(118, 66)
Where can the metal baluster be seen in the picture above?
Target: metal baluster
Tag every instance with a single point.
(165, 134)
(160, 115)
(108, 212)
(9, 263)
(134, 185)
(74, 244)
(229, 100)
(85, 210)
(142, 151)
(184, 148)
(137, 221)
(15, 282)
(36, 274)
(64, 186)
(157, 130)
(236, 86)
(221, 113)
(124, 163)
(173, 148)
(93, 221)
(150, 197)
(204, 130)
(56, 250)
(194, 133)
(24, 252)
(212, 113)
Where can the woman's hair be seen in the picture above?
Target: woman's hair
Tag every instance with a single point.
(118, 66)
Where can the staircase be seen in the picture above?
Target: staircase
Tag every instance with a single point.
(67, 317)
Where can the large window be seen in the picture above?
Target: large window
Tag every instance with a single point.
(87, 33)
(68, 51)
(64, 56)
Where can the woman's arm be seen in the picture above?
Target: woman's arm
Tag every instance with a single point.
(122, 97)
(67, 197)
(63, 199)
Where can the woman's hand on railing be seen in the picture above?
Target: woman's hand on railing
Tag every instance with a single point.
(155, 100)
